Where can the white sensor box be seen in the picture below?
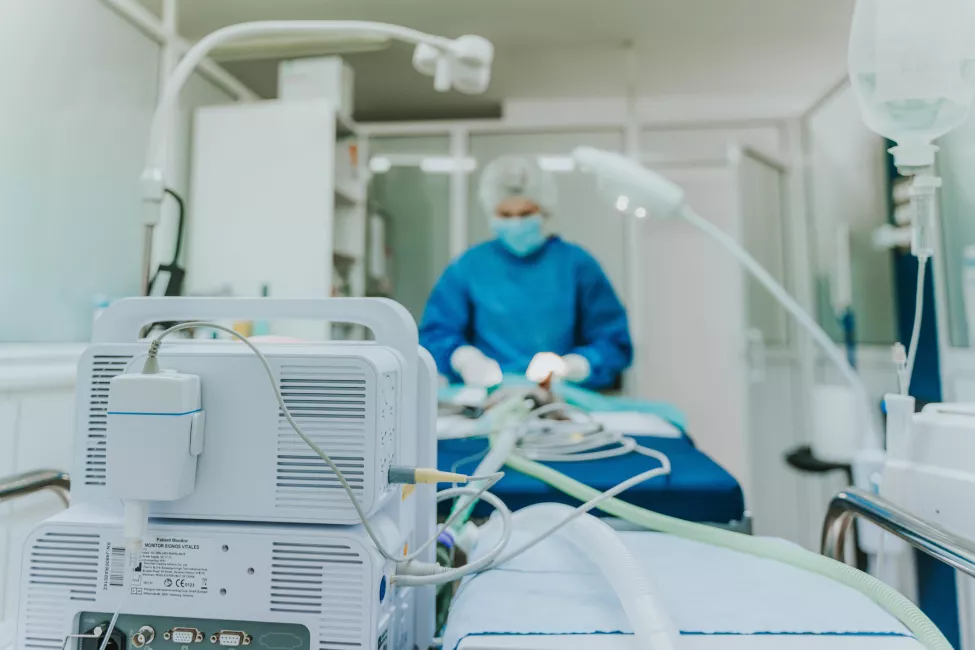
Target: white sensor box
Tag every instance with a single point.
(254, 467)
(155, 434)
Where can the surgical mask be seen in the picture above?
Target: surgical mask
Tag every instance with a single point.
(520, 235)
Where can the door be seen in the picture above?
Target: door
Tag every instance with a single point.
(694, 315)
(774, 382)
(717, 344)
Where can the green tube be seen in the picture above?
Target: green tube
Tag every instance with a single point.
(888, 598)
(512, 409)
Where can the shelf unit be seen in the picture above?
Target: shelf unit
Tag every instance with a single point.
(278, 198)
(379, 262)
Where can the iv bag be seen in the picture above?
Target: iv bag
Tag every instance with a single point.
(912, 66)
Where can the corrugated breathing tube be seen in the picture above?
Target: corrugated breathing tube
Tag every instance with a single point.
(890, 599)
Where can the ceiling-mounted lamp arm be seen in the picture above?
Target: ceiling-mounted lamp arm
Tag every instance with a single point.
(467, 65)
(637, 188)
(156, 154)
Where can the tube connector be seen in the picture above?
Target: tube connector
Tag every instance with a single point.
(151, 366)
(415, 568)
(913, 155)
(923, 193)
(136, 525)
(899, 354)
(153, 191)
(412, 475)
(467, 538)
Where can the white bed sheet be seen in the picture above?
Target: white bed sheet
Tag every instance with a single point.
(551, 599)
(619, 642)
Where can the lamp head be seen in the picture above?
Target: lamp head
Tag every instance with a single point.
(632, 188)
(464, 64)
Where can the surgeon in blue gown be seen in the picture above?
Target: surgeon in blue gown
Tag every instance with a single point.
(525, 301)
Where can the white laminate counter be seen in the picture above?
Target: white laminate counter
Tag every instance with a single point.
(38, 366)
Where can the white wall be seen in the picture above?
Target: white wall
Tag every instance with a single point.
(846, 179)
(79, 87)
(36, 432)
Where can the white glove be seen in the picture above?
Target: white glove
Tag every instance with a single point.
(577, 368)
(545, 365)
(573, 367)
(474, 368)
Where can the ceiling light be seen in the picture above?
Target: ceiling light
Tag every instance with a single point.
(557, 164)
(447, 165)
(380, 164)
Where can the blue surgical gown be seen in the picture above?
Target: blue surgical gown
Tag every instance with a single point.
(557, 299)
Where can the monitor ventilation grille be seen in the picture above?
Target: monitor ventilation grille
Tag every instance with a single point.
(103, 369)
(330, 404)
(62, 567)
(325, 580)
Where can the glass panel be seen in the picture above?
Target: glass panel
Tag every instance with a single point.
(957, 165)
(758, 198)
(416, 207)
(762, 203)
(676, 145)
(582, 215)
(847, 181)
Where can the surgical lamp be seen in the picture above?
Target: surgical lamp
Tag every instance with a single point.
(463, 63)
(639, 191)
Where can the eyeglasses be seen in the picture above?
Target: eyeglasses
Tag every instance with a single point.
(519, 212)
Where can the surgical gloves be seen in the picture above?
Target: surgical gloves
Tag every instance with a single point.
(474, 368)
(573, 367)
(577, 367)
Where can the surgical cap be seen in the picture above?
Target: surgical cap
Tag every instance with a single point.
(511, 176)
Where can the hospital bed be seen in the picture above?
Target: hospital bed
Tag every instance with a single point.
(698, 489)
(553, 599)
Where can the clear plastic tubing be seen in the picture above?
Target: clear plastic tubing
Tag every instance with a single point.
(652, 626)
(501, 448)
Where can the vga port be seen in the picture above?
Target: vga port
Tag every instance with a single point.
(184, 635)
(230, 638)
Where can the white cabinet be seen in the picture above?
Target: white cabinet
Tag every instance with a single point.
(277, 199)
(36, 432)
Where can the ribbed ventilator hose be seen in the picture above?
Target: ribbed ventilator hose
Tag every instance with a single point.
(652, 625)
(887, 597)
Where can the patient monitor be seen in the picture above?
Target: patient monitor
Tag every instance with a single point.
(265, 549)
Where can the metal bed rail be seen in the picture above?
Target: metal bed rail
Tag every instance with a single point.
(20, 485)
(952, 549)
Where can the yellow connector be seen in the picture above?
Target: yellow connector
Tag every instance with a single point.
(427, 475)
